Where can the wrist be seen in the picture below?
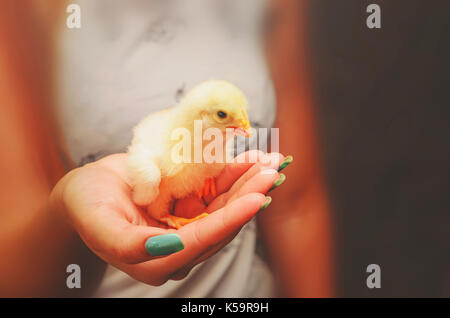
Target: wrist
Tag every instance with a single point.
(58, 207)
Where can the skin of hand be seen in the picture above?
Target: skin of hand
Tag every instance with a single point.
(96, 201)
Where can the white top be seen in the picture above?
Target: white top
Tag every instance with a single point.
(132, 58)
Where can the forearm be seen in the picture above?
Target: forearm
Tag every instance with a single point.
(36, 243)
(33, 240)
(36, 246)
(297, 227)
(299, 245)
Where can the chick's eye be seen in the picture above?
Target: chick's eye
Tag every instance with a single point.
(221, 114)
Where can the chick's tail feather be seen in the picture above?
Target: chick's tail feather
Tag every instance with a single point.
(146, 177)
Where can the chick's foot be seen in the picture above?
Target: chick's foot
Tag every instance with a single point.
(208, 188)
(178, 222)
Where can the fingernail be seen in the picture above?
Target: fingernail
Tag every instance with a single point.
(266, 204)
(279, 182)
(286, 162)
(164, 244)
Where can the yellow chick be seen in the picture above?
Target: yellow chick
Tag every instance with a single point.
(157, 180)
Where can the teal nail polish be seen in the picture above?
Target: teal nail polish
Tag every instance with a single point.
(266, 204)
(164, 244)
(279, 182)
(286, 162)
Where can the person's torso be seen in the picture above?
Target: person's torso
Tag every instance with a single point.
(132, 58)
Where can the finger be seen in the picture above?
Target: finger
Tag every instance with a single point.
(200, 236)
(269, 161)
(117, 240)
(192, 206)
(261, 182)
(234, 170)
(207, 232)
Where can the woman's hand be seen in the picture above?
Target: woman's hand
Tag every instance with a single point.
(96, 200)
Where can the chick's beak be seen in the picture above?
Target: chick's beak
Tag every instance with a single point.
(245, 128)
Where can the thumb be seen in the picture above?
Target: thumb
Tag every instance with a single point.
(207, 232)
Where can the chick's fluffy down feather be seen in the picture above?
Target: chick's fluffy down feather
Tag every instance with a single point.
(156, 180)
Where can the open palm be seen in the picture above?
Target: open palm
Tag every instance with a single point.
(96, 199)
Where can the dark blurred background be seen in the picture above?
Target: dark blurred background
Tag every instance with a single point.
(383, 98)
